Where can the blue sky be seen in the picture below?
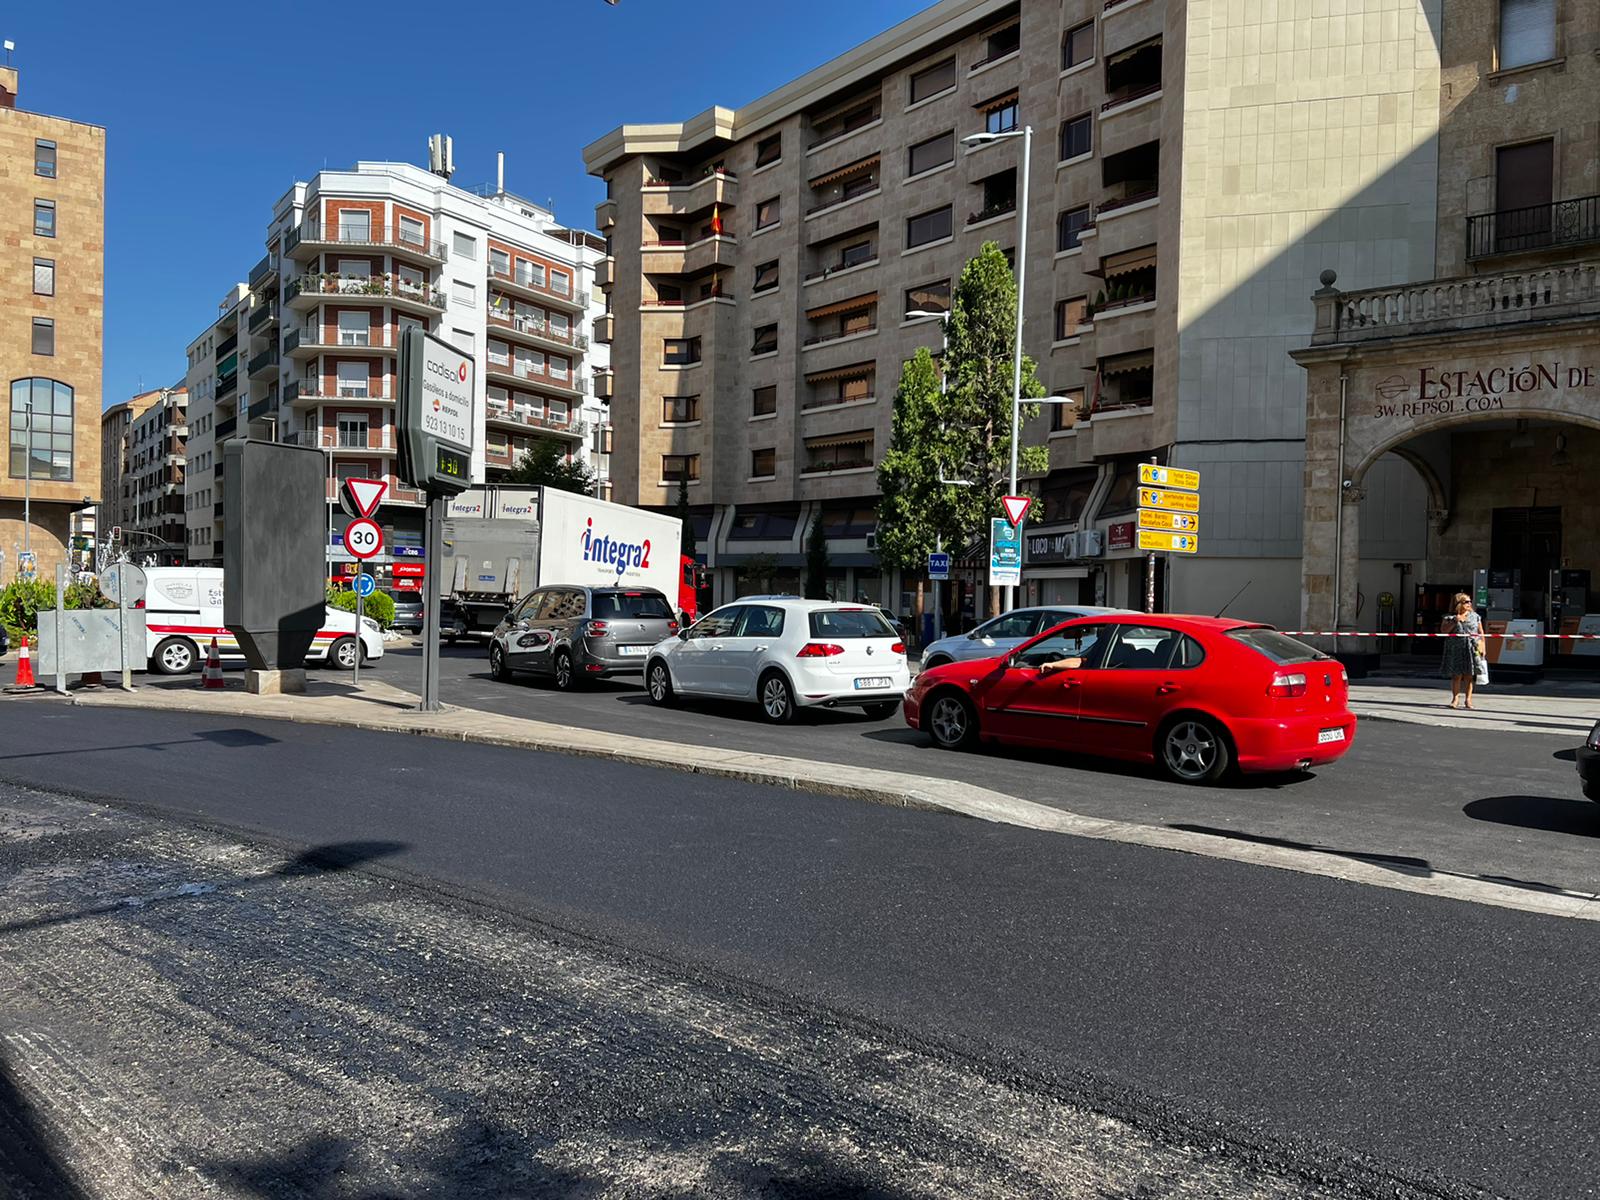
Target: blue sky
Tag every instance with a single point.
(209, 120)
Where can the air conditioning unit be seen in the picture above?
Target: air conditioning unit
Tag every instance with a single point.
(1091, 544)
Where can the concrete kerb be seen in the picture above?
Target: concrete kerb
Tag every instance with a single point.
(858, 783)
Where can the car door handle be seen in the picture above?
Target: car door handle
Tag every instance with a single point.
(1070, 682)
(1166, 689)
(761, 649)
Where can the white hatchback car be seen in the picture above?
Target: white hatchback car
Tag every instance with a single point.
(785, 654)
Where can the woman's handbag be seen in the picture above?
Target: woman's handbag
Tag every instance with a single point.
(1480, 669)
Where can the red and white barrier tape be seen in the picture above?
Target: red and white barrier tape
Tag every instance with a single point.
(1560, 637)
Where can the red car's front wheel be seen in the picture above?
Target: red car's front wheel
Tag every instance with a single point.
(951, 721)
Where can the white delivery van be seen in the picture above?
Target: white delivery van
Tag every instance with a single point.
(183, 612)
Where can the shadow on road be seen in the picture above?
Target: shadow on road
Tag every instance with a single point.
(1579, 817)
(228, 739)
(27, 1159)
(331, 858)
(1568, 755)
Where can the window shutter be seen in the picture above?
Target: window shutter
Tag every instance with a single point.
(1527, 32)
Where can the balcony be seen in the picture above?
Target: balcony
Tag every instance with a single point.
(603, 382)
(536, 331)
(226, 429)
(264, 270)
(605, 328)
(227, 385)
(375, 441)
(515, 375)
(227, 346)
(689, 258)
(262, 317)
(313, 338)
(1531, 230)
(525, 416)
(850, 182)
(663, 199)
(309, 392)
(312, 238)
(264, 364)
(605, 215)
(532, 287)
(306, 291)
(605, 271)
(263, 410)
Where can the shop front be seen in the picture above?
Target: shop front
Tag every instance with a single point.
(1455, 426)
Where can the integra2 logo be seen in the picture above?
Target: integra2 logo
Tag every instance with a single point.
(619, 556)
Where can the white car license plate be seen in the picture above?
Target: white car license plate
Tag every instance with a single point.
(632, 651)
(872, 682)
(1330, 735)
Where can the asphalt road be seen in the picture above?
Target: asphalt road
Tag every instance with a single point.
(1501, 806)
(1306, 1027)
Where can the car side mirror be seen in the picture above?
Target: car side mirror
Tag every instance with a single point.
(683, 635)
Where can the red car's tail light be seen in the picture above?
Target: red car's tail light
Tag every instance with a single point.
(819, 650)
(596, 629)
(1287, 687)
(898, 648)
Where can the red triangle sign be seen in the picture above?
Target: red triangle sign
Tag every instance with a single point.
(365, 494)
(1016, 507)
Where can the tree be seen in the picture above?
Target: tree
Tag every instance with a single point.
(817, 561)
(681, 511)
(759, 570)
(546, 464)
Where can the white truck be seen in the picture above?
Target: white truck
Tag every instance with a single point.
(500, 543)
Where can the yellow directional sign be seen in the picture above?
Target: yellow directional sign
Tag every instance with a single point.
(1171, 501)
(1172, 477)
(1182, 543)
(1150, 518)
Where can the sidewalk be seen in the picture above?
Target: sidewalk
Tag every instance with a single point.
(380, 707)
(1566, 708)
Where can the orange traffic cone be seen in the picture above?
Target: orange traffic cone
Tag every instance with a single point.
(211, 677)
(25, 667)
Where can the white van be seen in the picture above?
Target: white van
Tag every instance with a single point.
(183, 612)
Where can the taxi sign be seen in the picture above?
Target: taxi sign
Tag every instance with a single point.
(1150, 518)
(1181, 543)
(1170, 477)
(1187, 502)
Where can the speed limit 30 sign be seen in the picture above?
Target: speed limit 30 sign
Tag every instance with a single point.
(363, 538)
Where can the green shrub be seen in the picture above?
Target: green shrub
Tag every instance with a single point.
(20, 602)
(379, 606)
(87, 594)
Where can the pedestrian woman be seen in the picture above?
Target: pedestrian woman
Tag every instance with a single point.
(1463, 650)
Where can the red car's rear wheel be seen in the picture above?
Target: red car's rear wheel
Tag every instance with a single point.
(1194, 750)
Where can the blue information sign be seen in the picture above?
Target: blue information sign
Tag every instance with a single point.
(364, 585)
(939, 565)
(1005, 553)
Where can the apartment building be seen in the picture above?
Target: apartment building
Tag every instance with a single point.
(1193, 167)
(116, 479)
(306, 349)
(157, 456)
(1453, 420)
(52, 223)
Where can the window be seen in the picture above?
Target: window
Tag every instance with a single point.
(929, 297)
(41, 430)
(355, 329)
(769, 150)
(1077, 136)
(1064, 416)
(718, 624)
(359, 268)
(1003, 42)
(1527, 32)
(766, 276)
(352, 432)
(44, 335)
(1077, 45)
(499, 262)
(855, 255)
(1086, 642)
(759, 621)
(411, 231)
(1070, 316)
(928, 227)
(763, 400)
(934, 152)
(763, 463)
(1001, 118)
(931, 82)
(464, 246)
(678, 352)
(675, 467)
(355, 225)
(560, 282)
(766, 340)
(679, 410)
(463, 340)
(354, 380)
(464, 292)
(849, 624)
(1142, 648)
(630, 606)
(1524, 176)
(767, 213)
(44, 218)
(44, 158)
(1280, 649)
(1069, 225)
(44, 277)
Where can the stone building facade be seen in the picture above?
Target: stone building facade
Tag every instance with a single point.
(52, 224)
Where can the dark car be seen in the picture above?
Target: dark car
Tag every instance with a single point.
(1589, 763)
(574, 633)
(408, 610)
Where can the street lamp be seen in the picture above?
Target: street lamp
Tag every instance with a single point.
(983, 139)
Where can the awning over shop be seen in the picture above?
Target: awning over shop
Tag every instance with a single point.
(853, 371)
(854, 304)
(999, 102)
(859, 438)
(1123, 364)
(846, 172)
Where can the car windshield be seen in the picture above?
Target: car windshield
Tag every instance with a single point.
(635, 606)
(1275, 646)
(840, 623)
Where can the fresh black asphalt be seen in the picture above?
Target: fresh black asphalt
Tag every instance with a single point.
(1450, 1041)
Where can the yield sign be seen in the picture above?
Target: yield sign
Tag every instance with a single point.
(364, 494)
(1016, 507)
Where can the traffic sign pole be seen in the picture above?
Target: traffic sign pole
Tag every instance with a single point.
(1150, 572)
(361, 596)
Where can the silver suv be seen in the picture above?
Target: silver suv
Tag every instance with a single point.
(572, 633)
(1000, 634)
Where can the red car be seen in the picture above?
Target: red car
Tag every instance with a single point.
(1198, 695)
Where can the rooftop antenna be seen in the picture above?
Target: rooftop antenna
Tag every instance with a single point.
(441, 156)
(9, 46)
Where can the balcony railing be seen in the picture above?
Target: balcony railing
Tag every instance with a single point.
(226, 429)
(1131, 198)
(999, 208)
(534, 327)
(227, 385)
(227, 346)
(835, 335)
(375, 439)
(571, 382)
(380, 287)
(523, 414)
(261, 362)
(1130, 95)
(315, 388)
(1541, 227)
(729, 176)
(1469, 302)
(835, 401)
(1108, 306)
(573, 296)
(312, 334)
(263, 270)
(262, 314)
(377, 237)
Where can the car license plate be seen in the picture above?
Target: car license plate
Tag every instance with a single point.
(1330, 735)
(632, 651)
(872, 681)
